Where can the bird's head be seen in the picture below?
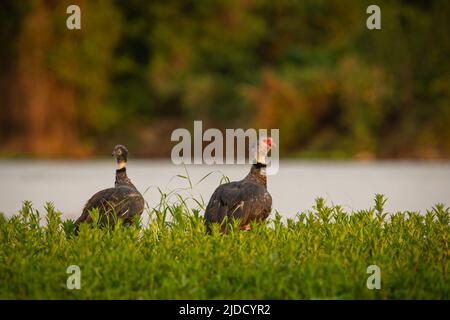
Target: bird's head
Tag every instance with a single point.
(264, 145)
(120, 152)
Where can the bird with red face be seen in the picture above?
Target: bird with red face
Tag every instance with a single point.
(246, 200)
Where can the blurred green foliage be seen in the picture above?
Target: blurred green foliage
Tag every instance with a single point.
(139, 69)
(321, 254)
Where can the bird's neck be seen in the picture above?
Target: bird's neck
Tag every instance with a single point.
(258, 173)
(121, 165)
(122, 178)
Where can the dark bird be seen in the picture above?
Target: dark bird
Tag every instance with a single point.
(121, 202)
(248, 199)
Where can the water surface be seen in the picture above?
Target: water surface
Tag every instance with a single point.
(414, 186)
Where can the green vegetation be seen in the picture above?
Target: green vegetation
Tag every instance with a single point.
(323, 253)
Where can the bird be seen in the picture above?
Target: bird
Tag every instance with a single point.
(248, 199)
(122, 202)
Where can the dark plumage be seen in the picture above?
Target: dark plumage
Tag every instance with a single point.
(247, 200)
(123, 201)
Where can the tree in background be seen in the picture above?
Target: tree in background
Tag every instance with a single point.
(56, 80)
(137, 70)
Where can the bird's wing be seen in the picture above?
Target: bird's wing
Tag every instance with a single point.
(100, 200)
(135, 204)
(240, 200)
(223, 198)
(124, 202)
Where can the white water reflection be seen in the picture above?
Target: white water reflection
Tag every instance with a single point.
(408, 185)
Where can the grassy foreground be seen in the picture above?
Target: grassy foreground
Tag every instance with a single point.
(323, 253)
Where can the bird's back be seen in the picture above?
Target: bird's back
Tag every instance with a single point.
(122, 202)
(245, 200)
